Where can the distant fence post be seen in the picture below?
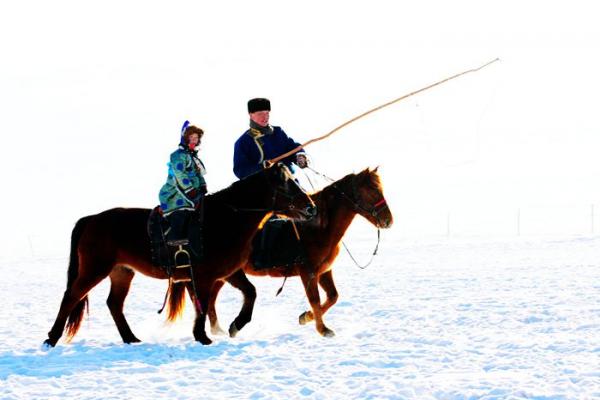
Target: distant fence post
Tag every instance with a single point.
(592, 218)
(31, 246)
(518, 222)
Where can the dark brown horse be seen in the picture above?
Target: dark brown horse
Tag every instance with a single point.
(115, 244)
(337, 205)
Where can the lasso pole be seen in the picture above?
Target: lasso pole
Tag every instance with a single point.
(289, 153)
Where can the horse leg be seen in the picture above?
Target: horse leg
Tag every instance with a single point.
(66, 305)
(239, 281)
(200, 297)
(215, 328)
(72, 302)
(120, 282)
(312, 293)
(326, 282)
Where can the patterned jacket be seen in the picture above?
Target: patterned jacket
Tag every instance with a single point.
(253, 147)
(186, 172)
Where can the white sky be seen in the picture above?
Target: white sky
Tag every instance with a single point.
(92, 96)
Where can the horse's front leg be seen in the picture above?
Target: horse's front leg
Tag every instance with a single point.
(120, 282)
(240, 281)
(200, 294)
(312, 293)
(215, 327)
(326, 282)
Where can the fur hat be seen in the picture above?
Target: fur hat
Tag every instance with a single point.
(258, 104)
(187, 130)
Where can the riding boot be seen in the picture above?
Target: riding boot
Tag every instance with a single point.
(261, 259)
(268, 244)
(176, 237)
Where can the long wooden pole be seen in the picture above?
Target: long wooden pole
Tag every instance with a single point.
(389, 103)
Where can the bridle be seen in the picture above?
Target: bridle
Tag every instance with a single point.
(355, 200)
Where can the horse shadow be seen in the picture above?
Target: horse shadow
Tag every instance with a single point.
(134, 358)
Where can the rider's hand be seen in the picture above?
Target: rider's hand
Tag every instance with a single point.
(301, 160)
(192, 194)
(267, 164)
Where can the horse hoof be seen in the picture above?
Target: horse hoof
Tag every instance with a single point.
(305, 318)
(217, 330)
(48, 344)
(233, 330)
(204, 340)
(328, 333)
(134, 340)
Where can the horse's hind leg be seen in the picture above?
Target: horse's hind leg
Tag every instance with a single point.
(326, 282)
(68, 303)
(200, 293)
(215, 328)
(120, 282)
(312, 293)
(72, 307)
(240, 281)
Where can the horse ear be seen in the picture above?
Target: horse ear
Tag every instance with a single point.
(362, 175)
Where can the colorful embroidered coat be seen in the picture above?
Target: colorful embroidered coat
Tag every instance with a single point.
(186, 172)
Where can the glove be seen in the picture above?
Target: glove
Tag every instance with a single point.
(267, 164)
(203, 190)
(301, 160)
(193, 195)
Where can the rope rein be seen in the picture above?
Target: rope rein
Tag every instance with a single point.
(357, 206)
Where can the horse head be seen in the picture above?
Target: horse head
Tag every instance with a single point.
(289, 198)
(366, 195)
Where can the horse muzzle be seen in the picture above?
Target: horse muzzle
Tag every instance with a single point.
(308, 212)
(386, 223)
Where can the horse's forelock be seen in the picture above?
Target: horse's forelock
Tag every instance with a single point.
(371, 177)
(376, 179)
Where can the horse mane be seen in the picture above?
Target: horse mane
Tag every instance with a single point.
(239, 189)
(325, 198)
(374, 179)
(366, 174)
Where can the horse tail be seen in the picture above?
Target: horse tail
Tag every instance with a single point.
(176, 301)
(76, 315)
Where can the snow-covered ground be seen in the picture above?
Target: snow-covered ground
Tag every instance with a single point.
(93, 95)
(446, 318)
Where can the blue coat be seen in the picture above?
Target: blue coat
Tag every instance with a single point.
(252, 148)
(186, 172)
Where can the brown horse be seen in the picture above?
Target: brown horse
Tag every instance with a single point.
(337, 204)
(115, 244)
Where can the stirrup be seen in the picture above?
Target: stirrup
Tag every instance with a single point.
(181, 250)
(180, 242)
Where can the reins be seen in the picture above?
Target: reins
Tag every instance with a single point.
(372, 255)
(357, 206)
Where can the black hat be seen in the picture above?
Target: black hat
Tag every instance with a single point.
(259, 104)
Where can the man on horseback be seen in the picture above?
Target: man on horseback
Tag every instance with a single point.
(185, 186)
(263, 142)
(260, 143)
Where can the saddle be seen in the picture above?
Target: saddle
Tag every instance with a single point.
(276, 245)
(167, 256)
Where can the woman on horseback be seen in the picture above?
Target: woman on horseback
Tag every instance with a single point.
(185, 186)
